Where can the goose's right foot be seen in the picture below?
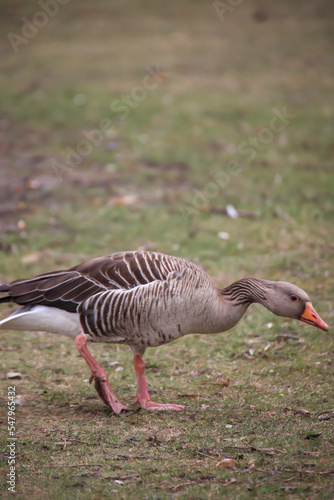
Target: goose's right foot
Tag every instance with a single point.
(99, 376)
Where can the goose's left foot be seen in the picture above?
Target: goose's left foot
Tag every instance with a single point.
(143, 397)
(150, 405)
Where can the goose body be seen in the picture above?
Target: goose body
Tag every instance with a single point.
(142, 299)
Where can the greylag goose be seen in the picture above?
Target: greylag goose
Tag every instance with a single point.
(142, 299)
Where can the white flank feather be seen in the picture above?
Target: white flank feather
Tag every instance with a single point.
(43, 318)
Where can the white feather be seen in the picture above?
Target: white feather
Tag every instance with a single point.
(43, 318)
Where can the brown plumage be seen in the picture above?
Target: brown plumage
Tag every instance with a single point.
(142, 299)
(66, 289)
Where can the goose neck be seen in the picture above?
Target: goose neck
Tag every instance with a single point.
(246, 291)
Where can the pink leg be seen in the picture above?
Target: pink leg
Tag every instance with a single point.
(102, 385)
(143, 397)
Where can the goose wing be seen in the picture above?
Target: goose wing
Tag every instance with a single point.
(147, 315)
(66, 289)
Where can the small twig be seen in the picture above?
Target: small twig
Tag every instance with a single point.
(178, 486)
(233, 480)
(204, 454)
(70, 440)
(122, 478)
(86, 473)
(248, 469)
(251, 440)
(131, 457)
(324, 473)
(265, 451)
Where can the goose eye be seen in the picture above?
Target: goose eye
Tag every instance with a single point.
(293, 298)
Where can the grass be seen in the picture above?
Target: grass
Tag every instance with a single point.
(170, 156)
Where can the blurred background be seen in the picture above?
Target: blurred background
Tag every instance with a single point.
(202, 129)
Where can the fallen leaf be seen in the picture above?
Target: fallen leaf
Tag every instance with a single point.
(326, 415)
(313, 435)
(223, 383)
(255, 340)
(226, 462)
(13, 375)
(304, 413)
(125, 200)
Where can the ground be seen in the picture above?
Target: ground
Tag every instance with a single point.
(134, 125)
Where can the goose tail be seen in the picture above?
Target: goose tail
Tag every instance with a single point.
(15, 321)
(5, 289)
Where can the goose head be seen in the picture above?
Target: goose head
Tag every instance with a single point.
(290, 301)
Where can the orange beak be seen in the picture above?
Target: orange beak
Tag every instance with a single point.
(311, 317)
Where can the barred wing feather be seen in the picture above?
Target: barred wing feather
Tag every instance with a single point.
(66, 289)
(146, 315)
